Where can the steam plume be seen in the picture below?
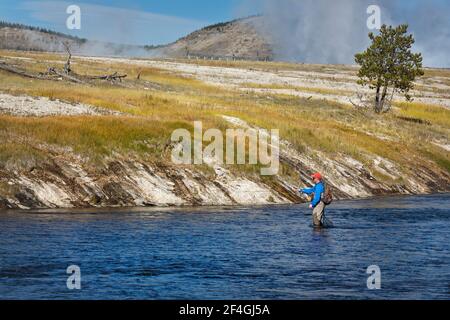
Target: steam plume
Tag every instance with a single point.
(329, 31)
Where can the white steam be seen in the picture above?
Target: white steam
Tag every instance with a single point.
(330, 31)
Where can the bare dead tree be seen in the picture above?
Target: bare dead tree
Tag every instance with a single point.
(67, 68)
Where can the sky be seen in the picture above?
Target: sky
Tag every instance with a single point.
(306, 29)
(130, 22)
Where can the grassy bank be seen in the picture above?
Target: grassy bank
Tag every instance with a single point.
(162, 101)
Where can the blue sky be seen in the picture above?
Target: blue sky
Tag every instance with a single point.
(132, 21)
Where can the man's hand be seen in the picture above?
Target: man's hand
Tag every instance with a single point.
(311, 206)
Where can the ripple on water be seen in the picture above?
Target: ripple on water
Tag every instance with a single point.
(230, 253)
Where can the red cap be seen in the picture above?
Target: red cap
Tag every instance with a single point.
(317, 175)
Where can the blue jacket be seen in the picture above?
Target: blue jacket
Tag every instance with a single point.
(318, 190)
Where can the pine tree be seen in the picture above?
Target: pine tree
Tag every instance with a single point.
(389, 64)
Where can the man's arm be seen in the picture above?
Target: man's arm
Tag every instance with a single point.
(307, 190)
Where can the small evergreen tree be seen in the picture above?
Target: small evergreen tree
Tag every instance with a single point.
(389, 64)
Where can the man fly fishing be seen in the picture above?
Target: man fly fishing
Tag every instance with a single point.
(321, 197)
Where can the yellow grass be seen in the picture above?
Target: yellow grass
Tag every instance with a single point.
(325, 91)
(173, 101)
(434, 114)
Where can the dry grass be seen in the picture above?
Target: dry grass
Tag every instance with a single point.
(14, 156)
(89, 136)
(271, 65)
(434, 114)
(324, 91)
(437, 72)
(172, 101)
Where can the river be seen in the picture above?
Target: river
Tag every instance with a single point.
(230, 253)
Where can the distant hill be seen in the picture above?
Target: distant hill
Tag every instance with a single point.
(240, 39)
(16, 36)
(21, 37)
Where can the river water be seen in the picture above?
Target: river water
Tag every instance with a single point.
(230, 253)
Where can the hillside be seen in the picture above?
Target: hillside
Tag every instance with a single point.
(238, 39)
(235, 39)
(106, 143)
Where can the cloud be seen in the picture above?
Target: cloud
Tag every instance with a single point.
(119, 25)
(430, 23)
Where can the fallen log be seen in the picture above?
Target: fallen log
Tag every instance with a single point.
(53, 72)
(109, 77)
(64, 76)
(11, 69)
